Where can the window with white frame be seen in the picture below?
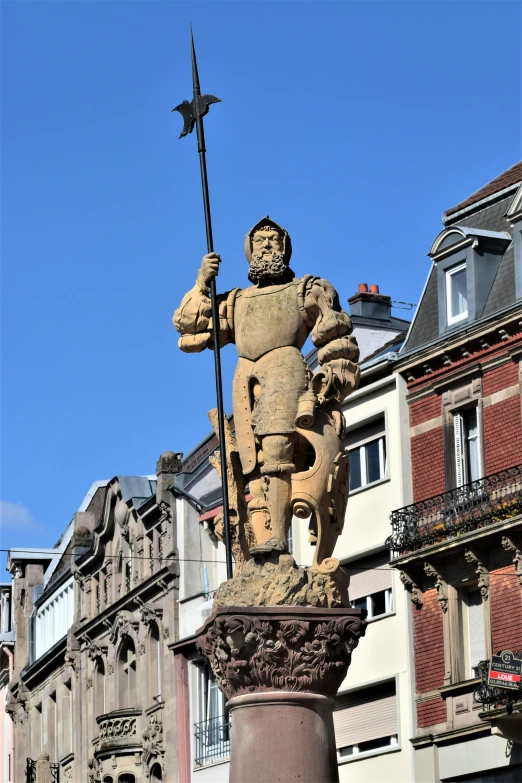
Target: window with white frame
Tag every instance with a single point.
(371, 585)
(367, 451)
(456, 294)
(212, 731)
(365, 720)
(468, 462)
(53, 618)
(472, 629)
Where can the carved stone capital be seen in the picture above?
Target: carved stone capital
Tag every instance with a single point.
(481, 571)
(510, 546)
(123, 623)
(412, 587)
(149, 615)
(95, 651)
(283, 648)
(440, 585)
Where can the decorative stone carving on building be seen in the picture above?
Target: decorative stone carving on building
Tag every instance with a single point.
(510, 546)
(95, 767)
(169, 462)
(95, 651)
(166, 512)
(289, 423)
(280, 648)
(141, 649)
(110, 668)
(122, 726)
(166, 633)
(123, 623)
(412, 587)
(149, 615)
(440, 585)
(481, 571)
(153, 738)
(89, 682)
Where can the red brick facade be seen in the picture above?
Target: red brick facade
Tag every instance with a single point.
(428, 639)
(506, 609)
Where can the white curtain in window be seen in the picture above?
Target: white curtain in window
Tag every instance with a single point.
(364, 715)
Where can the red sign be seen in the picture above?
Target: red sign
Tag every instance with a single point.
(505, 671)
(503, 676)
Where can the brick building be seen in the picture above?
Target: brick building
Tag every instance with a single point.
(459, 545)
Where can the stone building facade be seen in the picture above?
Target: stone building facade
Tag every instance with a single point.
(458, 546)
(92, 694)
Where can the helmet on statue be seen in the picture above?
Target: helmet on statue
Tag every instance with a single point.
(265, 224)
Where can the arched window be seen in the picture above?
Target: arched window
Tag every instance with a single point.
(156, 776)
(154, 663)
(127, 676)
(99, 688)
(108, 779)
(127, 777)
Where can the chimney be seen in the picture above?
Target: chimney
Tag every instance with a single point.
(370, 304)
(167, 466)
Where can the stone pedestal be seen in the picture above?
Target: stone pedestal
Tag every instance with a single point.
(280, 667)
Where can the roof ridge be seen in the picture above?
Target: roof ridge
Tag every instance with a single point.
(507, 178)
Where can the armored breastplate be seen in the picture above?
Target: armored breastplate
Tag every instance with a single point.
(268, 318)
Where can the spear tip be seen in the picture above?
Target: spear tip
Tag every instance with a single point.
(195, 76)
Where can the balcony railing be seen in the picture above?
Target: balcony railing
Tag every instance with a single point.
(493, 698)
(472, 506)
(212, 740)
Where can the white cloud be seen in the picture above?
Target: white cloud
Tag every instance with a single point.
(16, 516)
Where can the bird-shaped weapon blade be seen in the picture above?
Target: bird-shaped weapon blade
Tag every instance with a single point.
(193, 114)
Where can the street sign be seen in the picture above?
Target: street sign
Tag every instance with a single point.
(505, 671)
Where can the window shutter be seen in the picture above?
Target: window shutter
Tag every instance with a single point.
(364, 715)
(459, 450)
(364, 580)
(477, 646)
(371, 431)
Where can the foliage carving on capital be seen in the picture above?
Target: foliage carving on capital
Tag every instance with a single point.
(149, 615)
(95, 651)
(286, 650)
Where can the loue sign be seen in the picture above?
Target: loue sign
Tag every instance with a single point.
(505, 671)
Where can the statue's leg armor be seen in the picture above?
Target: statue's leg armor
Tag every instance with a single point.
(276, 473)
(258, 508)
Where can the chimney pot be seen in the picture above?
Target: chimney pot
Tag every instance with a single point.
(363, 288)
(374, 289)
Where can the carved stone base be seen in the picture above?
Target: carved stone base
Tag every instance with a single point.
(280, 666)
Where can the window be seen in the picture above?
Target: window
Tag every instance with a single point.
(127, 675)
(468, 465)
(156, 774)
(456, 294)
(99, 688)
(472, 631)
(154, 664)
(371, 585)
(127, 777)
(52, 728)
(367, 449)
(365, 720)
(54, 618)
(212, 732)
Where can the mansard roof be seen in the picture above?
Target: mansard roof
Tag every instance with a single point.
(508, 179)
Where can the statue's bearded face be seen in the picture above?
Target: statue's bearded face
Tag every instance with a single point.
(267, 256)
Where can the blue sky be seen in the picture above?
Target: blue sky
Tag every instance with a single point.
(353, 124)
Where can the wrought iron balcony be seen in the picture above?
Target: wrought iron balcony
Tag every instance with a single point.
(490, 499)
(212, 740)
(493, 698)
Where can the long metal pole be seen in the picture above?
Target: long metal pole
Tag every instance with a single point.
(215, 312)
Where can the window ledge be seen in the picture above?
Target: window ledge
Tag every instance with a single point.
(369, 754)
(368, 486)
(201, 767)
(380, 617)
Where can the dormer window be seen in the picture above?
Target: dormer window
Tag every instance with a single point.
(456, 294)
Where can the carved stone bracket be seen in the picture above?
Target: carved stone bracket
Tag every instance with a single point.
(510, 546)
(95, 770)
(412, 587)
(153, 738)
(440, 585)
(149, 615)
(481, 571)
(289, 648)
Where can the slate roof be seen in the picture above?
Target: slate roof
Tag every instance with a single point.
(511, 176)
(425, 328)
(136, 488)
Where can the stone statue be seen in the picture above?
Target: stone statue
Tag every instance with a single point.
(288, 422)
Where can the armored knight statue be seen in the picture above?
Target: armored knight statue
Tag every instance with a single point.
(288, 422)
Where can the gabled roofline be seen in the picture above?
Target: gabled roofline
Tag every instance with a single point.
(477, 206)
